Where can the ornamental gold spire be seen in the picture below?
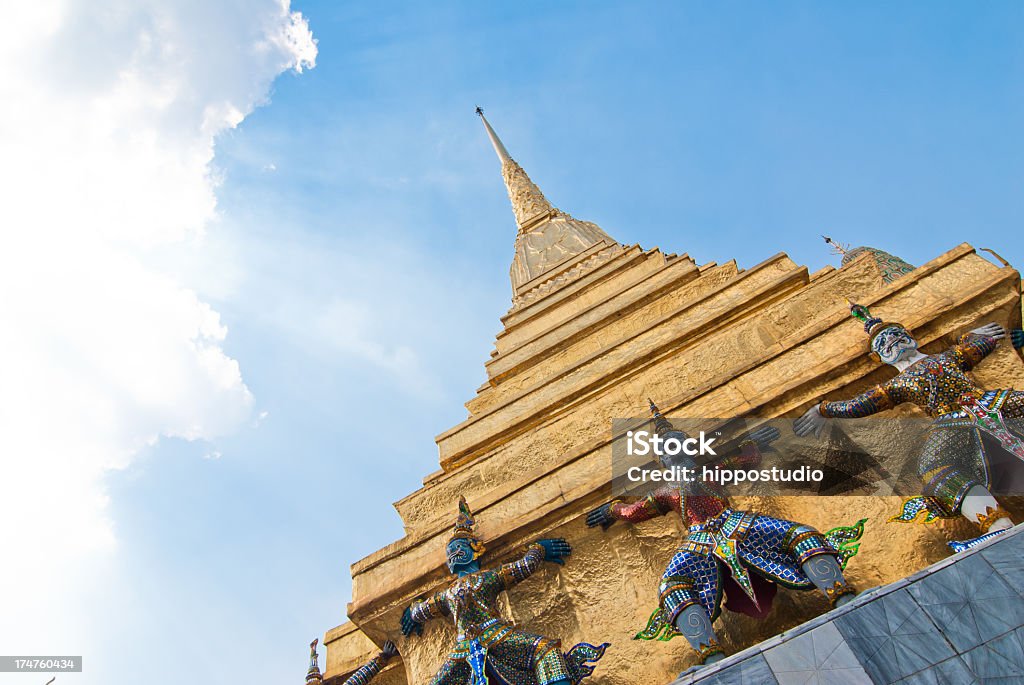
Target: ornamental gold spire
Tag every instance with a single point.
(547, 238)
(528, 202)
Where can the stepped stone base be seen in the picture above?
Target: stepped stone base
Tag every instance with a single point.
(960, 620)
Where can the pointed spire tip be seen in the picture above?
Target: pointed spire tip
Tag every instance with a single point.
(499, 148)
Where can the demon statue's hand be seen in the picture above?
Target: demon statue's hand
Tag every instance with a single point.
(764, 436)
(991, 330)
(555, 550)
(810, 423)
(389, 650)
(1017, 338)
(602, 516)
(410, 626)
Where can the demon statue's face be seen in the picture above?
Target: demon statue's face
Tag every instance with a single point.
(893, 343)
(461, 556)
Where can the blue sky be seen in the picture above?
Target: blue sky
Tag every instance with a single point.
(370, 238)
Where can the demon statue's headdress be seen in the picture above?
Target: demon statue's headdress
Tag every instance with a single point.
(464, 529)
(661, 424)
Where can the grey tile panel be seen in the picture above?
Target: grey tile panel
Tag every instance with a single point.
(893, 637)
(751, 671)
(971, 602)
(1007, 559)
(949, 672)
(1002, 657)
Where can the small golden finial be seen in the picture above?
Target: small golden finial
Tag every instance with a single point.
(313, 675)
(837, 248)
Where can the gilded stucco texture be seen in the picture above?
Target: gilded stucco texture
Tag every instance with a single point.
(534, 453)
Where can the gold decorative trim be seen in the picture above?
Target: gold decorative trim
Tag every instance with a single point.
(839, 589)
(706, 650)
(990, 516)
(801, 536)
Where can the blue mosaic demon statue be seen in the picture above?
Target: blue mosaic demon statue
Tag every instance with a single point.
(490, 650)
(971, 426)
(741, 554)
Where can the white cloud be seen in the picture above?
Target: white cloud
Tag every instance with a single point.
(354, 304)
(111, 110)
(350, 328)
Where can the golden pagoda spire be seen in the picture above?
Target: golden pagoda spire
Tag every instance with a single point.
(528, 202)
(503, 155)
(547, 236)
